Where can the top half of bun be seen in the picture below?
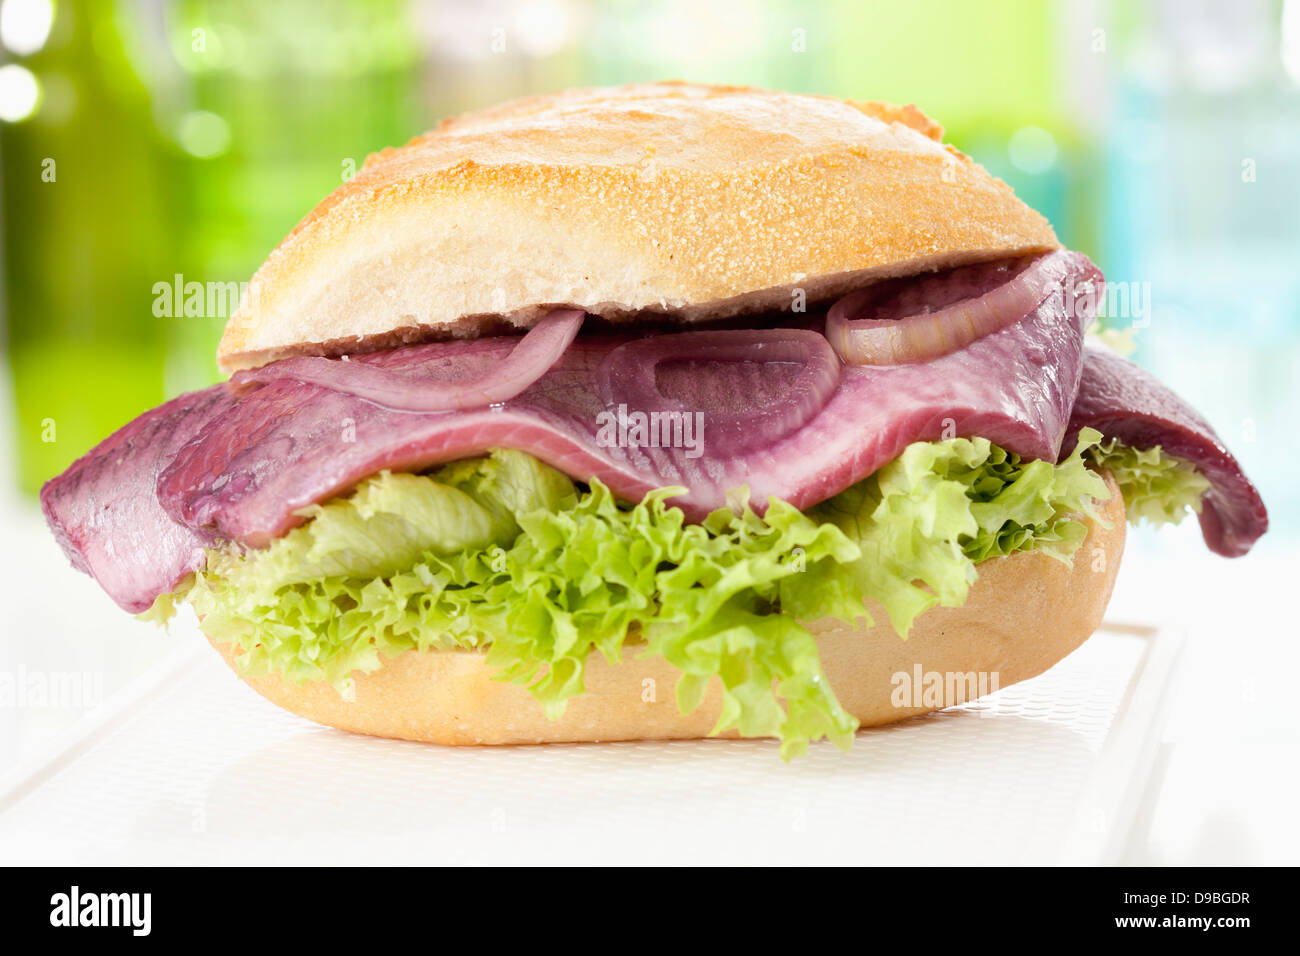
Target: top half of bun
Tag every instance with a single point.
(699, 201)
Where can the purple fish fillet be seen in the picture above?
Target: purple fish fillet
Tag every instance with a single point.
(1122, 400)
(290, 444)
(104, 509)
(237, 462)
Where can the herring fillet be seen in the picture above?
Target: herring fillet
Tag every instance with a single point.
(232, 463)
(1125, 401)
(105, 513)
(284, 446)
(137, 511)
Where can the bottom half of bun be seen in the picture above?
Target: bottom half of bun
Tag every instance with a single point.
(1024, 613)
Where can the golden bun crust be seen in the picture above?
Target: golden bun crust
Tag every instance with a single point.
(1025, 613)
(703, 201)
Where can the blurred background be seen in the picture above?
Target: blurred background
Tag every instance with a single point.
(145, 145)
(149, 144)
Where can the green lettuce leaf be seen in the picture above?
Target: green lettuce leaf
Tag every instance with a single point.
(507, 555)
(1157, 488)
(925, 520)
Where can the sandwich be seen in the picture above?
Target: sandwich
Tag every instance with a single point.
(658, 411)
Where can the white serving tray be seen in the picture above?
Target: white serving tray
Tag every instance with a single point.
(191, 767)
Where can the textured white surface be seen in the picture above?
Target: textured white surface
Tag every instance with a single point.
(198, 769)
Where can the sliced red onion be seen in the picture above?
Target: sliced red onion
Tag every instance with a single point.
(410, 390)
(923, 317)
(627, 377)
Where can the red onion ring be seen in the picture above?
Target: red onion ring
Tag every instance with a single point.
(627, 377)
(406, 390)
(921, 318)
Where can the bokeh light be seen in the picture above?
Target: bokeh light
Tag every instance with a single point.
(25, 25)
(19, 93)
